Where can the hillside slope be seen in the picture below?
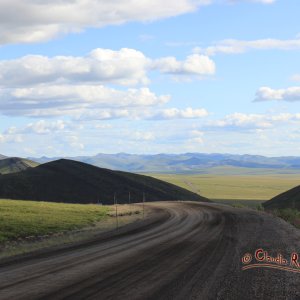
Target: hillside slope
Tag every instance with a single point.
(75, 182)
(15, 164)
(288, 199)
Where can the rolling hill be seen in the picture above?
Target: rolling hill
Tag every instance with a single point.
(15, 164)
(75, 182)
(2, 156)
(190, 163)
(288, 199)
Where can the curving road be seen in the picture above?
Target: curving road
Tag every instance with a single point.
(184, 250)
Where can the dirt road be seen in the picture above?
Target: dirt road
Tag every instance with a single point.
(185, 251)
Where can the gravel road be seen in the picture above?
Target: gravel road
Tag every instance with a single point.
(184, 250)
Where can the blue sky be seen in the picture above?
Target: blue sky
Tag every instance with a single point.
(83, 77)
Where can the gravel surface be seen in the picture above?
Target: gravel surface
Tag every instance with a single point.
(184, 250)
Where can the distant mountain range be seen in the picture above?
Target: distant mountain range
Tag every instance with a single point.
(189, 163)
(76, 182)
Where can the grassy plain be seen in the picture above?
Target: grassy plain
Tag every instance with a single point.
(234, 187)
(27, 226)
(21, 219)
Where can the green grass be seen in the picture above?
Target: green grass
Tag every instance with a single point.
(234, 187)
(254, 204)
(288, 214)
(21, 219)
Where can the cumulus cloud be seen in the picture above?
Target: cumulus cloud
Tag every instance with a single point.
(30, 21)
(37, 86)
(196, 137)
(107, 114)
(145, 114)
(296, 77)
(194, 64)
(10, 136)
(241, 121)
(175, 113)
(41, 127)
(142, 135)
(290, 94)
(74, 142)
(72, 100)
(44, 127)
(232, 46)
(124, 67)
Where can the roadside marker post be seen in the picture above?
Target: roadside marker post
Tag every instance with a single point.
(143, 205)
(116, 206)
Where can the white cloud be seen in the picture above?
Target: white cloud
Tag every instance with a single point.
(10, 137)
(141, 135)
(74, 142)
(290, 94)
(144, 113)
(194, 64)
(296, 77)
(241, 121)
(197, 137)
(175, 113)
(125, 67)
(40, 127)
(30, 21)
(39, 86)
(44, 100)
(232, 46)
(106, 114)
(43, 127)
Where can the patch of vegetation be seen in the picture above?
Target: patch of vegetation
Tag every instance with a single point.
(15, 164)
(234, 187)
(238, 205)
(259, 207)
(25, 219)
(290, 215)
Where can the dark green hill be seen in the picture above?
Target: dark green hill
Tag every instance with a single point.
(75, 182)
(288, 199)
(15, 164)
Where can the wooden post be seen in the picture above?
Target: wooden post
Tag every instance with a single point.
(143, 205)
(116, 206)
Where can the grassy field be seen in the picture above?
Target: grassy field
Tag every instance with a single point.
(20, 219)
(234, 187)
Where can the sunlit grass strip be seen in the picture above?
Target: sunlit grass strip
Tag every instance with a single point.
(21, 219)
(250, 187)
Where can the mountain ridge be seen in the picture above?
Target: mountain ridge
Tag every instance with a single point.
(183, 163)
